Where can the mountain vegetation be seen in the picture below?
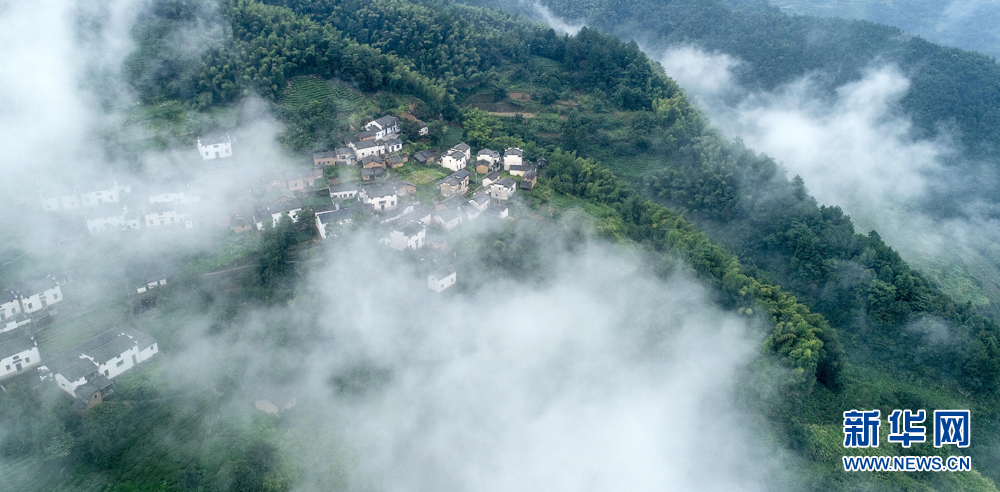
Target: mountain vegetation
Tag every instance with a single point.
(851, 324)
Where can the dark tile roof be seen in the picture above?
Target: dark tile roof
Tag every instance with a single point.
(335, 216)
(367, 144)
(349, 186)
(77, 369)
(38, 285)
(393, 142)
(7, 295)
(488, 153)
(324, 155)
(15, 345)
(462, 147)
(107, 345)
(449, 214)
(493, 176)
(453, 202)
(410, 229)
(144, 340)
(513, 151)
(387, 121)
(507, 182)
(376, 191)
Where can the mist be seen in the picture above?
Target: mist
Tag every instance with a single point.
(601, 376)
(589, 373)
(855, 149)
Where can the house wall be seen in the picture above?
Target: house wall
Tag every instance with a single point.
(453, 163)
(69, 386)
(105, 224)
(215, 151)
(383, 203)
(400, 241)
(438, 285)
(41, 300)
(95, 198)
(10, 309)
(511, 160)
(28, 359)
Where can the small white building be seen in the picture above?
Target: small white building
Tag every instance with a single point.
(332, 218)
(393, 145)
(383, 127)
(481, 201)
(513, 156)
(40, 294)
(449, 218)
(487, 161)
(179, 198)
(503, 189)
(381, 198)
(106, 355)
(454, 160)
(18, 353)
(490, 178)
(164, 214)
(10, 304)
(442, 278)
(408, 236)
(367, 148)
(344, 191)
(215, 147)
(457, 157)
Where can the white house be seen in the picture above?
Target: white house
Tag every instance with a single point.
(10, 304)
(454, 160)
(179, 198)
(490, 179)
(367, 148)
(449, 218)
(383, 127)
(487, 161)
(381, 198)
(393, 145)
(442, 278)
(410, 236)
(107, 355)
(40, 294)
(344, 191)
(457, 183)
(481, 201)
(342, 216)
(503, 189)
(17, 354)
(520, 170)
(109, 217)
(215, 147)
(274, 211)
(164, 214)
(513, 156)
(457, 157)
(99, 197)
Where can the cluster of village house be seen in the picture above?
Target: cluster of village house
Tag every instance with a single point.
(378, 150)
(85, 373)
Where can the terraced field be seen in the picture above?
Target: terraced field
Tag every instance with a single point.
(304, 90)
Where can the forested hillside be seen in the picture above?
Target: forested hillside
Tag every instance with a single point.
(949, 86)
(966, 25)
(848, 319)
